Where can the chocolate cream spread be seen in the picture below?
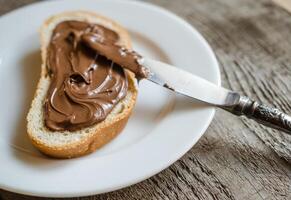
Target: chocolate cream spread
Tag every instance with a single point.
(124, 57)
(85, 86)
(85, 65)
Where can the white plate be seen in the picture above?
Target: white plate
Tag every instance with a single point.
(162, 128)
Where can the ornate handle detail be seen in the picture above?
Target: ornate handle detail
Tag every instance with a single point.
(263, 114)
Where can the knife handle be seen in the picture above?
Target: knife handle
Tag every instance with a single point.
(261, 113)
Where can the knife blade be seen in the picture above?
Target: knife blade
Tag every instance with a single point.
(188, 84)
(193, 86)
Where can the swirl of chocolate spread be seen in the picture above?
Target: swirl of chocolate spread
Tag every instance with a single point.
(85, 86)
(126, 58)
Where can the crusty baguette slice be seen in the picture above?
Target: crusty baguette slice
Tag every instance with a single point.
(73, 144)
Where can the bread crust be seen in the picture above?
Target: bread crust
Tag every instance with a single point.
(104, 131)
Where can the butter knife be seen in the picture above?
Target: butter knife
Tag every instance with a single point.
(193, 86)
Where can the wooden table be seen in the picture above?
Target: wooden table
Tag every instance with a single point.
(236, 158)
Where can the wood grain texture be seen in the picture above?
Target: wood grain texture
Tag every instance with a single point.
(236, 158)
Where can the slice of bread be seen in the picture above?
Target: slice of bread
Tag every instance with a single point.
(68, 144)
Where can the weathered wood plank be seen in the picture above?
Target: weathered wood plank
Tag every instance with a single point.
(236, 158)
(8, 5)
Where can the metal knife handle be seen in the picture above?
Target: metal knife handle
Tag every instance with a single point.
(261, 113)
